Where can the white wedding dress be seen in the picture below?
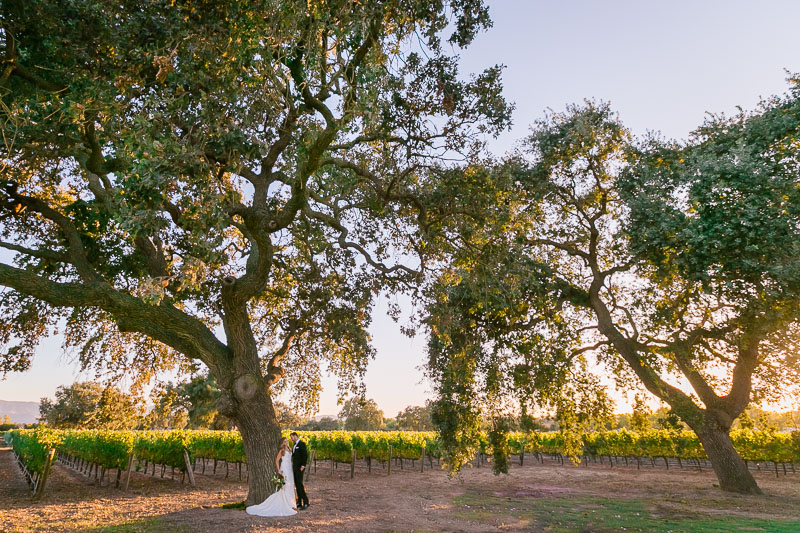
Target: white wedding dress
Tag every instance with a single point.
(283, 501)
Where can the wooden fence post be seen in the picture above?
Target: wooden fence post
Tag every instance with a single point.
(190, 471)
(130, 466)
(46, 472)
(353, 465)
(389, 462)
(422, 459)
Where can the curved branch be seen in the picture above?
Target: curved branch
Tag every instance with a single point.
(335, 224)
(163, 323)
(75, 248)
(591, 348)
(696, 380)
(384, 193)
(629, 350)
(27, 75)
(739, 395)
(40, 254)
(571, 250)
(274, 370)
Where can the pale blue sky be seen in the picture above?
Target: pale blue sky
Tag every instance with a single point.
(661, 65)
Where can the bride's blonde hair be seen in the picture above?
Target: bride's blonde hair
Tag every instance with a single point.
(285, 443)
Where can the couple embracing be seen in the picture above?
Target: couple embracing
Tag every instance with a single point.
(291, 465)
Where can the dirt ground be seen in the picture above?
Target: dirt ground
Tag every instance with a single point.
(535, 497)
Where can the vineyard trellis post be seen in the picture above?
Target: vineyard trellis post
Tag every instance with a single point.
(130, 469)
(45, 473)
(189, 468)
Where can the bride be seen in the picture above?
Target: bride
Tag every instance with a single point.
(282, 503)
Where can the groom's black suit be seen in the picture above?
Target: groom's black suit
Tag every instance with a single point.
(299, 458)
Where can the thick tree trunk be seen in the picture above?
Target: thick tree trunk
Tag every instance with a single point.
(730, 469)
(245, 394)
(711, 425)
(261, 437)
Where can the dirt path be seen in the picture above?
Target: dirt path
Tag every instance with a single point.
(12, 480)
(532, 498)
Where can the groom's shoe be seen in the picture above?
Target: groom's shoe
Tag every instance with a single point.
(304, 507)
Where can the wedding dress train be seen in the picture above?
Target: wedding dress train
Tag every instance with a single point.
(283, 501)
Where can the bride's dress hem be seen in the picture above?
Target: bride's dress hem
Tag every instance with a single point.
(281, 503)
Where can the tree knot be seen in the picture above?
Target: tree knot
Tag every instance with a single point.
(246, 386)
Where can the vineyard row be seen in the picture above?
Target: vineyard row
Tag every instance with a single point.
(108, 449)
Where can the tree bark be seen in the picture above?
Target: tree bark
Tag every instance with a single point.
(730, 469)
(261, 436)
(245, 393)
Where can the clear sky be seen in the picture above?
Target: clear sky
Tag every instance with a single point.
(661, 65)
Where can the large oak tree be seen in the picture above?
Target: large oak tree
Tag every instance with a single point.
(676, 265)
(226, 182)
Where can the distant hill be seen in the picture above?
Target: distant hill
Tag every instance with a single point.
(20, 412)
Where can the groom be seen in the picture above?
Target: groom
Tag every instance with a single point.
(299, 459)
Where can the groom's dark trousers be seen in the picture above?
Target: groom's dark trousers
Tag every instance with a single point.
(300, 458)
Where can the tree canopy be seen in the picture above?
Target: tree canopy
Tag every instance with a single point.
(361, 414)
(188, 404)
(326, 423)
(91, 405)
(415, 418)
(666, 263)
(227, 184)
(7, 424)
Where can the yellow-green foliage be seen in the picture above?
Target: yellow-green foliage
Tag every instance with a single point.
(339, 445)
(106, 448)
(222, 445)
(111, 449)
(32, 445)
(163, 447)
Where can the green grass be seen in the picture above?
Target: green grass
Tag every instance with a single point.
(234, 505)
(144, 525)
(581, 513)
